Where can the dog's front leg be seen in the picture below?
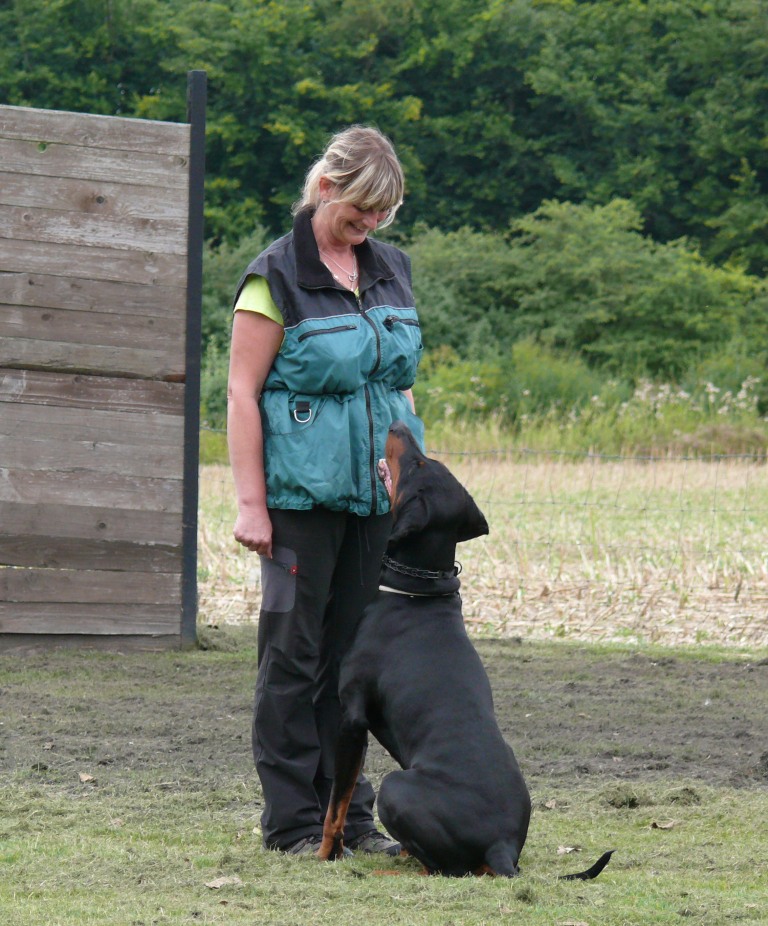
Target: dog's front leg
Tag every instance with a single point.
(350, 750)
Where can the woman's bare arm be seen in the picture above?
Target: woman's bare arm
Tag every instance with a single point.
(256, 340)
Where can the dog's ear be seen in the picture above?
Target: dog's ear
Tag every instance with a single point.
(474, 523)
(411, 516)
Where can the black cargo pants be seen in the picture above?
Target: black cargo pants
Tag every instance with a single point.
(324, 570)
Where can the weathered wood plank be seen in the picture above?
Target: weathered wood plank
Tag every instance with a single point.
(77, 294)
(143, 168)
(89, 130)
(93, 276)
(102, 198)
(85, 358)
(89, 523)
(89, 618)
(61, 553)
(33, 487)
(94, 456)
(93, 392)
(162, 236)
(143, 332)
(88, 586)
(96, 263)
(31, 422)
(25, 644)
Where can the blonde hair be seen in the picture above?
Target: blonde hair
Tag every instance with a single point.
(363, 166)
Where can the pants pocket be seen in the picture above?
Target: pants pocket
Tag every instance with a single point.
(278, 581)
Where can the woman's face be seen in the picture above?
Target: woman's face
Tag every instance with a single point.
(341, 223)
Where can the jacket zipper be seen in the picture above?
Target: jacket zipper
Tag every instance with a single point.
(311, 334)
(371, 435)
(391, 320)
(375, 334)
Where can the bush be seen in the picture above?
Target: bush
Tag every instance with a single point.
(583, 280)
(222, 268)
(531, 380)
(736, 365)
(463, 282)
(541, 400)
(213, 387)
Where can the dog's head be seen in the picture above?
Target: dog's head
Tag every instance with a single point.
(426, 497)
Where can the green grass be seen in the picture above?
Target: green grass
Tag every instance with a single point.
(213, 446)
(173, 806)
(141, 855)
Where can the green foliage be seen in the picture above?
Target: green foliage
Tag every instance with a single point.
(222, 268)
(531, 380)
(213, 387)
(661, 418)
(589, 281)
(464, 287)
(584, 280)
(496, 107)
(657, 102)
(729, 370)
(282, 78)
(539, 399)
(82, 55)
(589, 178)
(551, 326)
(213, 447)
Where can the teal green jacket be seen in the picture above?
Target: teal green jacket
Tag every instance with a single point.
(336, 385)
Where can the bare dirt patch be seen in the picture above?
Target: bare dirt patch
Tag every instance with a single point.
(573, 713)
(624, 715)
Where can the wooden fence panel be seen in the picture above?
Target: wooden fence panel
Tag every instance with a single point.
(101, 198)
(100, 250)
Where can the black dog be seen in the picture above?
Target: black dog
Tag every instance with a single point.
(460, 804)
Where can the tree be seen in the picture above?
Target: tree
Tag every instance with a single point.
(81, 55)
(495, 106)
(662, 103)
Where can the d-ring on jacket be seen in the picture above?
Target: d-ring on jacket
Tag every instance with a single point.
(336, 384)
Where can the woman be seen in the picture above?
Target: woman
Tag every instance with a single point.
(325, 345)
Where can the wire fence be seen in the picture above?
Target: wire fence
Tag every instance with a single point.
(582, 546)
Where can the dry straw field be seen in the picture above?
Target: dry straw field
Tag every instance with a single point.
(659, 551)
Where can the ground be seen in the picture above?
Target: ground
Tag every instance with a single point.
(577, 712)
(571, 712)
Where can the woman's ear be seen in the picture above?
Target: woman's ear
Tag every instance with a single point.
(326, 188)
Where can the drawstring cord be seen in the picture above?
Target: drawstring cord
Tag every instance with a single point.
(362, 534)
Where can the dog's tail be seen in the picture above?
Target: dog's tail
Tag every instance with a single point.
(592, 872)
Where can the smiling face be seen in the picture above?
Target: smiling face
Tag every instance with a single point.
(340, 224)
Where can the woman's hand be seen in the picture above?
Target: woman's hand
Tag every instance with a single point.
(253, 529)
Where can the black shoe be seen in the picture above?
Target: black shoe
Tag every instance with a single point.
(309, 845)
(374, 841)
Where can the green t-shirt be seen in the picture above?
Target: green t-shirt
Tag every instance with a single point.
(256, 297)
